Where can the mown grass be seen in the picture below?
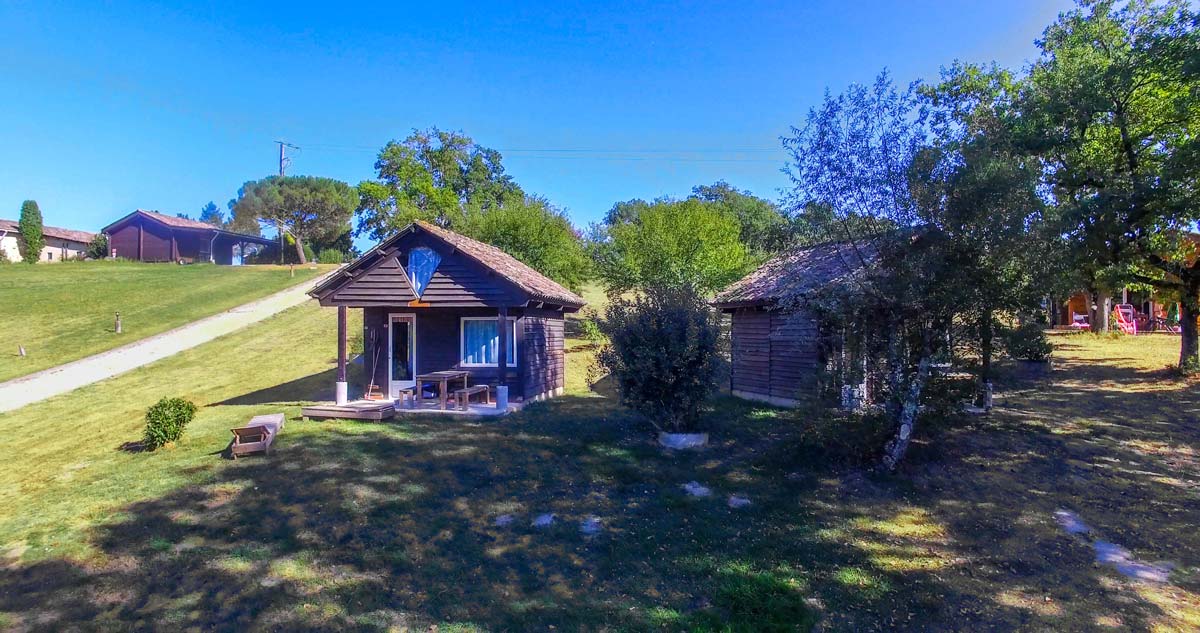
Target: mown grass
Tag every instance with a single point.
(366, 526)
(64, 312)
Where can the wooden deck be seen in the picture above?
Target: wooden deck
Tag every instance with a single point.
(357, 410)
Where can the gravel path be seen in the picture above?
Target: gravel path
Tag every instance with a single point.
(19, 392)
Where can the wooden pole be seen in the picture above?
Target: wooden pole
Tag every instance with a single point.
(502, 355)
(341, 357)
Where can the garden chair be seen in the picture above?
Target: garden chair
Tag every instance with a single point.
(1124, 315)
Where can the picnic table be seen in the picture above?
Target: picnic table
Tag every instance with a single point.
(443, 379)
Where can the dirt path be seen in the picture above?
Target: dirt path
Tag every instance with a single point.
(19, 392)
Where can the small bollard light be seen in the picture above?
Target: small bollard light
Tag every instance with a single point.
(21, 351)
(117, 327)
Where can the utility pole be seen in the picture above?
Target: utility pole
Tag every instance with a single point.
(284, 161)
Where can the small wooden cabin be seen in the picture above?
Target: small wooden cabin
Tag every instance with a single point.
(432, 301)
(776, 344)
(149, 236)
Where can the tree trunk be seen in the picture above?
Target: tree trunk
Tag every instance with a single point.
(898, 446)
(300, 251)
(1189, 347)
(986, 333)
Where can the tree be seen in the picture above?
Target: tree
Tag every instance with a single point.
(672, 244)
(533, 231)
(441, 177)
(1114, 105)
(210, 214)
(930, 202)
(764, 229)
(30, 227)
(98, 247)
(244, 222)
(303, 207)
(662, 353)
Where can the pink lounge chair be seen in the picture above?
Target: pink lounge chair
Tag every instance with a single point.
(1125, 316)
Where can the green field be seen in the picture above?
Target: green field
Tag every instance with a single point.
(64, 312)
(391, 526)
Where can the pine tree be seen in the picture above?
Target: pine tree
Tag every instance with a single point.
(30, 226)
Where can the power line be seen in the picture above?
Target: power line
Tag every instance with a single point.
(607, 154)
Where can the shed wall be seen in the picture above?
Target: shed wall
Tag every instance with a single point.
(775, 354)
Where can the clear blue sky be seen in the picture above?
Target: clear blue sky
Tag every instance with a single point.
(104, 109)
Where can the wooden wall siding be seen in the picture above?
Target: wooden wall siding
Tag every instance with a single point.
(156, 243)
(125, 241)
(774, 353)
(458, 282)
(383, 284)
(545, 360)
(438, 332)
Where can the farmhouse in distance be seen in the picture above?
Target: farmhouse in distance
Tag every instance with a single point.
(149, 236)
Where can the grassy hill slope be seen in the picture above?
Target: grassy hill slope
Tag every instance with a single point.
(64, 312)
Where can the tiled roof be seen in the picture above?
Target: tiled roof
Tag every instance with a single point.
(797, 272)
(52, 231)
(507, 266)
(178, 222)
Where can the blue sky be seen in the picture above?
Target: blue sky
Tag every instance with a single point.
(110, 107)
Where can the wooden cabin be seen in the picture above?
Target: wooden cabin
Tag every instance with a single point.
(776, 350)
(432, 301)
(149, 236)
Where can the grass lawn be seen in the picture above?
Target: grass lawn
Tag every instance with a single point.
(368, 526)
(64, 312)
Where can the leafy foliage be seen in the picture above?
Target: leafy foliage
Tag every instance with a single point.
(441, 177)
(1111, 109)
(662, 353)
(166, 420)
(1028, 341)
(331, 256)
(672, 244)
(30, 227)
(98, 247)
(533, 231)
(764, 229)
(305, 207)
(212, 215)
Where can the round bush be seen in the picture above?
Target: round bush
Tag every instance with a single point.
(166, 420)
(331, 256)
(1028, 342)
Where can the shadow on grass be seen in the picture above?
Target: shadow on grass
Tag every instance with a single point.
(363, 526)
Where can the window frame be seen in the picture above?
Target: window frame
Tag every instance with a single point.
(462, 341)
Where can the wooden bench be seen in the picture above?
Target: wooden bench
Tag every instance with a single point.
(256, 436)
(462, 396)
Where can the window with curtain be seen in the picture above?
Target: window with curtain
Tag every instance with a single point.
(422, 262)
(481, 342)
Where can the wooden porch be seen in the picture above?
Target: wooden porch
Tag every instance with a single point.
(379, 410)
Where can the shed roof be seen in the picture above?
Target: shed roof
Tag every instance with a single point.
(52, 231)
(187, 224)
(530, 281)
(797, 272)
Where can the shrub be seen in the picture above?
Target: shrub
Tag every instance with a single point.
(1028, 341)
(589, 326)
(98, 247)
(662, 355)
(331, 256)
(844, 439)
(166, 420)
(30, 227)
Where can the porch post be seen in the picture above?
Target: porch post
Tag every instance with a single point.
(341, 356)
(502, 355)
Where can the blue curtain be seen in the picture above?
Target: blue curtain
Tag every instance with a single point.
(481, 343)
(422, 262)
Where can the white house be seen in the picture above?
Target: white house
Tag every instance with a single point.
(60, 243)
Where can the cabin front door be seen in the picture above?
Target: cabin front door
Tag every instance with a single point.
(402, 353)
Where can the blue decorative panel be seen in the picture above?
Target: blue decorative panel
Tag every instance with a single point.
(422, 261)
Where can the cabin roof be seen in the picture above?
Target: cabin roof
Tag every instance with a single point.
(798, 271)
(186, 224)
(531, 282)
(52, 231)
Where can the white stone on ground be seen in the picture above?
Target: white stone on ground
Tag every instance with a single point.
(1113, 554)
(504, 520)
(738, 501)
(591, 526)
(694, 489)
(544, 520)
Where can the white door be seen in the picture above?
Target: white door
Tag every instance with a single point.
(402, 353)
